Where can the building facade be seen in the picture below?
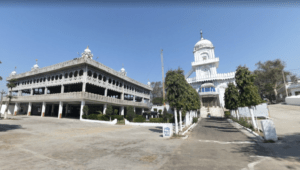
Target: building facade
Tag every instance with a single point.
(63, 89)
(208, 82)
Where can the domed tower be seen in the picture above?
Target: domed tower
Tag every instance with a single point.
(205, 64)
(87, 53)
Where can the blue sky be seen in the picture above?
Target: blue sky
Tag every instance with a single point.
(134, 34)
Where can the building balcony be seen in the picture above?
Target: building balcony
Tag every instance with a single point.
(76, 96)
(222, 76)
(208, 61)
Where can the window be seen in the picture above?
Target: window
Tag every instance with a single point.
(75, 73)
(60, 76)
(71, 75)
(100, 77)
(89, 73)
(95, 75)
(66, 75)
(80, 72)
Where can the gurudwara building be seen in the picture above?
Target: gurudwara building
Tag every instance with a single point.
(63, 89)
(209, 84)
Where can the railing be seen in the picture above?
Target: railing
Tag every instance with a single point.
(205, 61)
(75, 96)
(221, 76)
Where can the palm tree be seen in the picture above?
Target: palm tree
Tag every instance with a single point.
(11, 84)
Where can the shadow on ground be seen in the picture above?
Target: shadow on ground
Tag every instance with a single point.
(6, 127)
(287, 147)
(157, 130)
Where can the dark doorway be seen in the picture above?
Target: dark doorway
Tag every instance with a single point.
(210, 101)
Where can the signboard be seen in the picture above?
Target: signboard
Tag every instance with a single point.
(167, 131)
(269, 130)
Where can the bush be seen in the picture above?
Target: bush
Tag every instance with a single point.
(130, 113)
(93, 116)
(139, 118)
(103, 117)
(157, 120)
(227, 114)
(244, 122)
(159, 111)
(84, 116)
(195, 120)
(155, 109)
(119, 117)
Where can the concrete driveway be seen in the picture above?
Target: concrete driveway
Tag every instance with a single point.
(49, 143)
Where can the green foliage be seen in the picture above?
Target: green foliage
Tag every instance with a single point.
(115, 111)
(119, 117)
(166, 116)
(159, 111)
(109, 110)
(157, 101)
(130, 113)
(227, 114)
(139, 118)
(157, 120)
(248, 92)
(195, 120)
(84, 116)
(244, 122)
(155, 109)
(180, 94)
(231, 97)
(85, 109)
(93, 116)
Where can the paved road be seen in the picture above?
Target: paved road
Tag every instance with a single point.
(215, 144)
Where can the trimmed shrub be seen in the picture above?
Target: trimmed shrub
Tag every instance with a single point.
(195, 120)
(155, 109)
(119, 117)
(93, 116)
(159, 111)
(157, 120)
(139, 118)
(227, 114)
(84, 116)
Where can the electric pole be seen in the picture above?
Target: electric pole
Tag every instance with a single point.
(163, 77)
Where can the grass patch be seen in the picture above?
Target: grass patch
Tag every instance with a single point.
(121, 122)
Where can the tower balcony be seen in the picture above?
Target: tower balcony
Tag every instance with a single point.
(208, 61)
(221, 76)
(208, 91)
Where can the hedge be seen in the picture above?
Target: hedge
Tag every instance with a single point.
(102, 117)
(157, 120)
(195, 120)
(139, 118)
(227, 114)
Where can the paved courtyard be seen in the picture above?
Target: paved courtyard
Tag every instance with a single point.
(49, 143)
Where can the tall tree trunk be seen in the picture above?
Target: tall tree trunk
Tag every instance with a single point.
(176, 123)
(275, 92)
(6, 110)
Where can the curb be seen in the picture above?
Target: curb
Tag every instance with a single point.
(248, 132)
(192, 126)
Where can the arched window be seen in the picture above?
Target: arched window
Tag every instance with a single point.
(33, 81)
(30, 82)
(117, 83)
(48, 78)
(89, 73)
(100, 77)
(52, 78)
(66, 75)
(41, 80)
(80, 72)
(104, 78)
(113, 82)
(71, 74)
(38, 80)
(109, 80)
(95, 75)
(60, 76)
(75, 73)
(120, 84)
(56, 77)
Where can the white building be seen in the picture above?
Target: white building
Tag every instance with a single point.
(209, 84)
(61, 90)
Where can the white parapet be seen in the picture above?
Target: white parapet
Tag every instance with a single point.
(293, 100)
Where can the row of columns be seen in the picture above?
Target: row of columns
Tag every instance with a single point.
(60, 110)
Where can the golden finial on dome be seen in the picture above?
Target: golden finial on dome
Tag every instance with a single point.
(87, 47)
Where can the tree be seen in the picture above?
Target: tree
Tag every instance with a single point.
(248, 92)
(157, 101)
(157, 89)
(269, 77)
(85, 110)
(180, 94)
(231, 98)
(130, 113)
(10, 85)
(109, 111)
(115, 111)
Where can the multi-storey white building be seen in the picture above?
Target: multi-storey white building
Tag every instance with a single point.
(209, 84)
(63, 89)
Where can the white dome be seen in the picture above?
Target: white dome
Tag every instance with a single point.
(87, 50)
(203, 43)
(35, 66)
(13, 73)
(122, 70)
(149, 83)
